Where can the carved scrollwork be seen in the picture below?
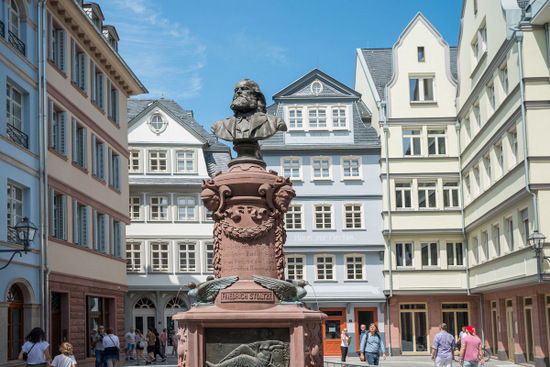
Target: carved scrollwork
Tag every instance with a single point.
(247, 234)
(313, 344)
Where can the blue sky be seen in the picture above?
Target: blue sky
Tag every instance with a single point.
(194, 52)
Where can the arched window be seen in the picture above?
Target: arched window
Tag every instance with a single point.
(144, 303)
(14, 19)
(175, 302)
(157, 123)
(15, 321)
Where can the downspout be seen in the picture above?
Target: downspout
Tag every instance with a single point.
(519, 41)
(547, 46)
(463, 220)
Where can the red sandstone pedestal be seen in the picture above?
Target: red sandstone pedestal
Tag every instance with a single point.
(248, 205)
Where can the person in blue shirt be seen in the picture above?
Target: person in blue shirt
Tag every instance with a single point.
(371, 345)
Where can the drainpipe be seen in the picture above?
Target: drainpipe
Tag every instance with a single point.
(547, 46)
(461, 193)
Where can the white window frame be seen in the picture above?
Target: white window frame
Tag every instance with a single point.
(99, 158)
(160, 205)
(488, 171)
(499, 153)
(134, 248)
(324, 170)
(436, 135)
(160, 253)
(355, 213)
(58, 215)
(496, 239)
(79, 67)
(57, 129)
(97, 86)
(338, 118)
(414, 137)
(80, 148)
(132, 204)
(316, 87)
(510, 233)
(14, 19)
(404, 191)
(295, 117)
(468, 126)
(451, 194)
(113, 104)
(14, 109)
(135, 157)
(485, 244)
(81, 224)
(295, 267)
(189, 157)
(477, 115)
(186, 206)
(326, 216)
(189, 255)
(150, 160)
(350, 169)
(155, 125)
(476, 250)
(427, 190)
(477, 180)
(116, 237)
(504, 79)
(422, 80)
(524, 215)
(404, 245)
(16, 206)
(479, 43)
(358, 264)
(491, 96)
(315, 113)
(114, 170)
(290, 169)
(513, 138)
(295, 211)
(208, 257)
(325, 270)
(429, 246)
(455, 254)
(468, 185)
(100, 231)
(57, 48)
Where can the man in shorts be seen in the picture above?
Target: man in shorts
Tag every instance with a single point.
(130, 343)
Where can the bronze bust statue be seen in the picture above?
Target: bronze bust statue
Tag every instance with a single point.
(250, 122)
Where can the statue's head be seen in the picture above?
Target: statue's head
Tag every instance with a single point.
(248, 97)
(283, 197)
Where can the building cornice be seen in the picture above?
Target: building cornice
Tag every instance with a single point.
(403, 232)
(449, 120)
(318, 148)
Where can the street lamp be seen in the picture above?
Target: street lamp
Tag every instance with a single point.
(536, 240)
(26, 231)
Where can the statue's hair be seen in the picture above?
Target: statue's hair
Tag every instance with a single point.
(259, 95)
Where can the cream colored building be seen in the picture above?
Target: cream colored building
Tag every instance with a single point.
(88, 85)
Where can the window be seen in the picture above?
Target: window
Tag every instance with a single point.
(187, 256)
(404, 254)
(351, 167)
(504, 79)
(98, 313)
(133, 257)
(477, 115)
(187, 207)
(355, 265)
(420, 53)
(58, 215)
(14, 108)
(455, 254)
(295, 118)
(487, 165)
(430, 254)
(477, 180)
(112, 102)
(475, 249)
(500, 159)
(339, 119)
(491, 96)
(427, 195)
(324, 267)
(317, 118)
(97, 86)
(323, 216)
(403, 195)
(479, 45)
(16, 321)
(321, 168)
(15, 204)
(421, 89)
(159, 207)
(80, 150)
(100, 232)
(79, 67)
(58, 128)
(135, 207)
(513, 138)
(116, 233)
(294, 217)
(114, 170)
(510, 233)
(525, 226)
(496, 239)
(14, 19)
(185, 161)
(437, 142)
(81, 224)
(98, 158)
(411, 142)
(158, 161)
(485, 239)
(316, 87)
(450, 194)
(353, 214)
(468, 129)
(57, 48)
(295, 267)
(292, 168)
(468, 184)
(209, 256)
(134, 161)
(159, 256)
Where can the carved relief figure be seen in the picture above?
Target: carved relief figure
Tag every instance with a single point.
(182, 346)
(268, 353)
(313, 344)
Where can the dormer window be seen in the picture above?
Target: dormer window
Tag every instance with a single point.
(316, 87)
(94, 13)
(157, 123)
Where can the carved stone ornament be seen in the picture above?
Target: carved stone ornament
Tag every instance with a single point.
(182, 346)
(267, 353)
(313, 344)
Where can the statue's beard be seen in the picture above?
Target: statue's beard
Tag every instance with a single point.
(244, 104)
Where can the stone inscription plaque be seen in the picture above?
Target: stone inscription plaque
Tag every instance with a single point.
(254, 347)
(246, 296)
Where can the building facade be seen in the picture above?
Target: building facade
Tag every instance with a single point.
(169, 242)
(334, 238)
(20, 166)
(88, 85)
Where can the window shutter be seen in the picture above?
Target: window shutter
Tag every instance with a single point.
(93, 87)
(103, 233)
(115, 105)
(74, 73)
(120, 239)
(51, 36)
(50, 123)
(101, 90)
(75, 141)
(60, 34)
(63, 218)
(103, 163)
(109, 102)
(111, 168)
(117, 172)
(85, 220)
(84, 72)
(84, 148)
(95, 229)
(62, 133)
(112, 236)
(76, 232)
(51, 218)
(94, 155)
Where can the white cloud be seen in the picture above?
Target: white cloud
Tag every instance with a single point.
(263, 49)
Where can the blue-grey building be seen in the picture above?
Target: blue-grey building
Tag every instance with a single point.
(20, 152)
(334, 224)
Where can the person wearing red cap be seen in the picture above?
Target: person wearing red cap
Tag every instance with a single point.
(470, 350)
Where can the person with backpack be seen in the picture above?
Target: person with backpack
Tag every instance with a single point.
(371, 346)
(36, 349)
(157, 346)
(66, 358)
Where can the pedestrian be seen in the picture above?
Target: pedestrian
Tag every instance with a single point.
(470, 350)
(163, 340)
(372, 345)
(151, 339)
(174, 343)
(157, 346)
(36, 350)
(140, 345)
(460, 335)
(97, 344)
(443, 347)
(111, 353)
(66, 358)
(130, 343)
(344, 344)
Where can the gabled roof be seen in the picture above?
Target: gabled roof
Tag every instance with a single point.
(300, 89)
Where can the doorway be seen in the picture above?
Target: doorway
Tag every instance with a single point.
(510, 329)
(365, 316)
(414, 328)
(332, 328)
(529, 331)
(455, 315)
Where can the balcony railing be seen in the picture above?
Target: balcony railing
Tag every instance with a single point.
(12, 235)
(16, 42)
(18, 136)
(2, 29)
